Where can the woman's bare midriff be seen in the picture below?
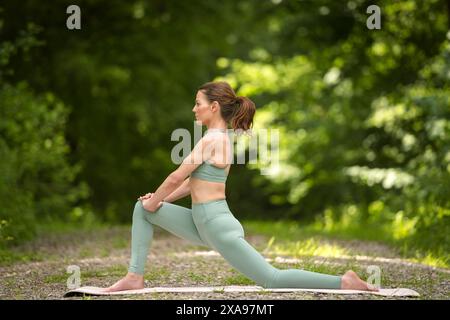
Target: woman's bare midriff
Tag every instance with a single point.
(203, 191)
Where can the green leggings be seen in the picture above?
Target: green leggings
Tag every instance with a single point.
(211, 224)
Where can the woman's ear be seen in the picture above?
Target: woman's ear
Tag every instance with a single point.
(214, 106)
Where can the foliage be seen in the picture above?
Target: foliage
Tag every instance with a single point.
(362, 114)
(363, 122)
(36, 178)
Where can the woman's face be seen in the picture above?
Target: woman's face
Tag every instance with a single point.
(202, 109)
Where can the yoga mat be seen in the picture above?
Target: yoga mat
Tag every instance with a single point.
(397, 292)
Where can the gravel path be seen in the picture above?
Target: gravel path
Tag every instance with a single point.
(102, 257)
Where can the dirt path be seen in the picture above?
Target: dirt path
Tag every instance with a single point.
(103, 255)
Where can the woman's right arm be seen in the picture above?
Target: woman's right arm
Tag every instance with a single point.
(182, 191)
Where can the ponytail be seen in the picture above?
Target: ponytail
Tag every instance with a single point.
(243, 116)
(237, 111)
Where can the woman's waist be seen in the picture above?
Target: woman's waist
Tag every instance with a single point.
(208, 199)
(202, 191)
(205, 211)
(201, 181)
(222, 203)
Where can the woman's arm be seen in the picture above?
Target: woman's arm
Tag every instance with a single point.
(200, 153)
(170, 184)
(179, 193)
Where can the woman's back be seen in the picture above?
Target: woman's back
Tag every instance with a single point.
(207, 182)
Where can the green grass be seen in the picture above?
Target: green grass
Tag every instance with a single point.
(58, 227)
(120, 243)
(86, 253)
(306, 247)
(292, 238)
(10, 257)
(16, 254)
(237, 279)
(115, 271)
(195, 277)
(57, 278)
(157, 273)
(61, 277)
(264, 292)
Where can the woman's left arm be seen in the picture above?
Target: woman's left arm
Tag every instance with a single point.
(170, 184)
(201, 151)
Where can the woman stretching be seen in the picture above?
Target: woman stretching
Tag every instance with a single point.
(209, 222)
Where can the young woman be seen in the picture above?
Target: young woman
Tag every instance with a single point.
(210, 222)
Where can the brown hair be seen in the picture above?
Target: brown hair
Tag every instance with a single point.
(238, 111)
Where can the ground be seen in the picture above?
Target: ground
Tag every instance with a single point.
(102, 256)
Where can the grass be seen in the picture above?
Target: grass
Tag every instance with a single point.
(61, 277)
(298, 240)
(157, 273)
(237, 279)
(56, 278)
(9, 257)
(115, 271)
(306, 247)
(15, 254)
(120, 243)
(52, 234)
(195, 277)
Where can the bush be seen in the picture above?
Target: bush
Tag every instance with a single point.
(37, 182)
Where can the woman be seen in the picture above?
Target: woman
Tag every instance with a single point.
(210, 222)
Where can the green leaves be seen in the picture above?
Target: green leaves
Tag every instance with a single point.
(363, 114)
(365, 118)
(37, 183)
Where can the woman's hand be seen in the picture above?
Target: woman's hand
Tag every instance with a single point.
(146, 203)
(147, 196)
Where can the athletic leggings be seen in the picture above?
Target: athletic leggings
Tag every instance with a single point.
(211, 224)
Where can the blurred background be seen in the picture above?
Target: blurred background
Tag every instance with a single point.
(86, 115)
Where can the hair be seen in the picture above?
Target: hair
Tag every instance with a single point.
(235, 110)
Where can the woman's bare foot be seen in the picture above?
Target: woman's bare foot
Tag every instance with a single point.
(131, 281)
(351, 281)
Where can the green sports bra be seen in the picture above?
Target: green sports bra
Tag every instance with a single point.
(207, 171)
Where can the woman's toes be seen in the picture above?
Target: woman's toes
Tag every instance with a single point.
(351, 281)
(371, 287)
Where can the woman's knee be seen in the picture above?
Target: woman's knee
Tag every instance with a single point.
(270, 281)
(138, 212)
